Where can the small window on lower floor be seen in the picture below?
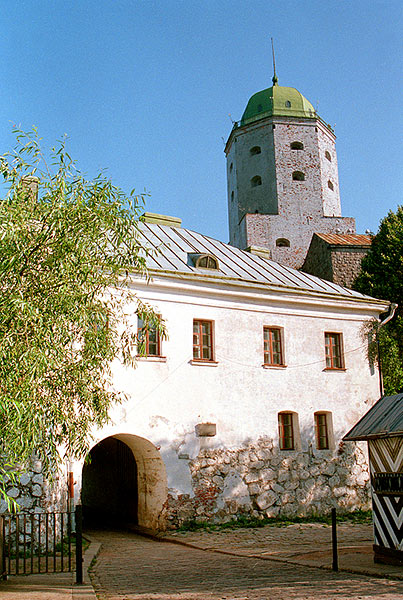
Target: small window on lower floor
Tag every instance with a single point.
(288, 431)
(323, 430)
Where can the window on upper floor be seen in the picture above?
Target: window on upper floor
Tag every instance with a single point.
(231, 167)
(273, 346)
(232, 196)
(298, 176)
(297, 146)
(149, 339)
(330, 185)
(255, 150)
(327, 154)
(256, 180)
(288, 434)
(323, 430)
(282, 243)
(203, 348)
(334, 350)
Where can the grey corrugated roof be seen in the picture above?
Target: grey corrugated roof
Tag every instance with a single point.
(171, 246)
(384, 419)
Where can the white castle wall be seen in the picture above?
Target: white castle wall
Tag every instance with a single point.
(241, 468)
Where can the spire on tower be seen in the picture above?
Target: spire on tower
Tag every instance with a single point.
(274, 79)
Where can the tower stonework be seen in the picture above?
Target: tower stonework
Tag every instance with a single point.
(282, 177)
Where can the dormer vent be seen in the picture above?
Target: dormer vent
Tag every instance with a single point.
(204, 261)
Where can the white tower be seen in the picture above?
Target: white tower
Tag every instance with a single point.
(282, 176)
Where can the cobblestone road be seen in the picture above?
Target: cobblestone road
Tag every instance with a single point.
(130, 567)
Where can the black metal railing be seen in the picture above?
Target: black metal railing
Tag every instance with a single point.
(37, 543)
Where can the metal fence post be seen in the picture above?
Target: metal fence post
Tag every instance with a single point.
(79, 543)
(335, 563)
(3, 573)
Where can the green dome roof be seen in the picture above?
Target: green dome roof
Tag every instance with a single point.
(277, 101)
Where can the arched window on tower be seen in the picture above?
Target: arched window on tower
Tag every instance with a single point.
(287, 104)
(297, 146)
(255, 150)
(282, 243)
(327, 154)
(298, 176)
(231, 167)
(330, 185)
(256, 180)
(232, 196)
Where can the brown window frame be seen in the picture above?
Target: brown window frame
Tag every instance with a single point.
(334, 361)
(141, 330)
(284, 428)
(269, 351)
(199, 345)
(322, 433)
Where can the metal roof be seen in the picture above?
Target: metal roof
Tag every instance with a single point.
(346, 239)
(171, 246)
(384, 419)
(277, 101)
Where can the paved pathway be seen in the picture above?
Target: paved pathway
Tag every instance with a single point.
(130, 567)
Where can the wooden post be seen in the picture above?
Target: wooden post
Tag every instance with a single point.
(79, 544)
(335, 564)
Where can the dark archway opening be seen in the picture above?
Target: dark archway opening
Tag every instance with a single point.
(109, 485)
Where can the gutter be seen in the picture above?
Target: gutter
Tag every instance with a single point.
(391, 313)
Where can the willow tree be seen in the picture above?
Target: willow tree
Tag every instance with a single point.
(66, 247)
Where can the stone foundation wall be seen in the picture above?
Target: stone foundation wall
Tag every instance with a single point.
(261, 481)
(34, 494)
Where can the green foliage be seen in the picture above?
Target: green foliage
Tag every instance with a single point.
(382, 276)
(242, 522)
(67, 246)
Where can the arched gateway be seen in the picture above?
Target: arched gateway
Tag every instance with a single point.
(125, 483)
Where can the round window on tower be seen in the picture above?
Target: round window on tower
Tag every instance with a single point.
(255, 150)
(256, 180)
(298, 176)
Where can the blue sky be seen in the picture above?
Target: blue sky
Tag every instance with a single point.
(145, 88)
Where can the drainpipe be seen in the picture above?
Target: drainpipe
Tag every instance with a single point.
(389, 317)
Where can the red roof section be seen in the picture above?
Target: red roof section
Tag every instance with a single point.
(346, 239)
